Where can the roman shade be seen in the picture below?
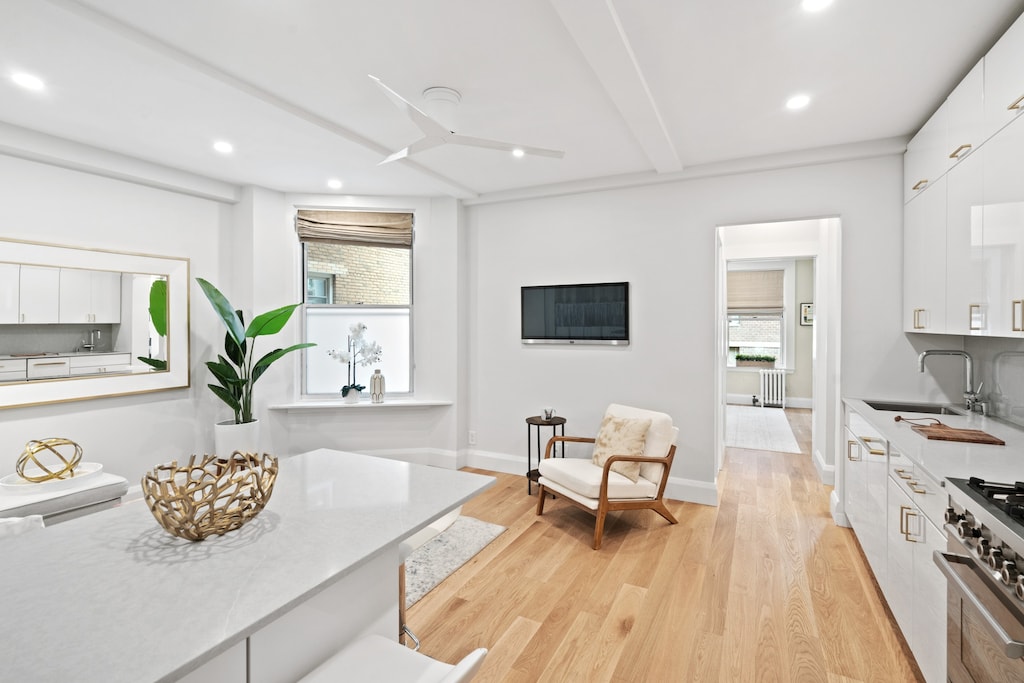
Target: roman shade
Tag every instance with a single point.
(367, 228)
(755, 290)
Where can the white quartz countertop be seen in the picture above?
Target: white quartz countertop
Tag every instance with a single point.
(113, 597)
(942, 459)
(57, 354)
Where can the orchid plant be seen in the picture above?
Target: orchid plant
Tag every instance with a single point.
(358, 351)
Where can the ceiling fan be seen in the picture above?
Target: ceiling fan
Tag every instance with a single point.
(434, 134)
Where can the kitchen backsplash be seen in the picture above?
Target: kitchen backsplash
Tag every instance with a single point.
(16, 339)
(999, 363)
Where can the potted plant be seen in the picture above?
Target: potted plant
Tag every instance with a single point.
(755, 360)
(237, 370)
(358, 351)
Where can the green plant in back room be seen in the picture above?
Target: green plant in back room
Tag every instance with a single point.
(755, 357)
(358, 351)
(237, 370)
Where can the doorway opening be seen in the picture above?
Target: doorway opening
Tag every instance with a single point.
(777, 303)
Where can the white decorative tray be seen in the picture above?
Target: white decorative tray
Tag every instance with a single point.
(13, 483)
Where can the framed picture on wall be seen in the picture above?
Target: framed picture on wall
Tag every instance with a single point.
(806, 314)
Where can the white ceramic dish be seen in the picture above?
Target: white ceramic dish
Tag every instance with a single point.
(13, 483)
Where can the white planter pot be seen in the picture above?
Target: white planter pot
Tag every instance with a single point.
(229, 437)
(351, 397)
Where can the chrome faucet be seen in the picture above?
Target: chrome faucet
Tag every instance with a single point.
(970, 394)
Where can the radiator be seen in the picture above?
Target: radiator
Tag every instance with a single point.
(773, 388)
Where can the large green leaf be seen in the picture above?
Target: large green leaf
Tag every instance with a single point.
(225, 310)
(270, 322)
(226, 374)
(226, 396)
(263, 363)
(236, 352)
(158, 306)
(155, 363)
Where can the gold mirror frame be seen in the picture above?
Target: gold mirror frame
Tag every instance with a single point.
(177, 375)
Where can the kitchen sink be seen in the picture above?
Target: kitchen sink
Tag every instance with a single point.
(933, 408)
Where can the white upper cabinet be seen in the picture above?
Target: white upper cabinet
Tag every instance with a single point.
(924, 261)
(1004, 229)
(89, 296)
(1004, 79)
(39, 294)
(10, 287)
(925, 160)
(949, 136)
(967, 297)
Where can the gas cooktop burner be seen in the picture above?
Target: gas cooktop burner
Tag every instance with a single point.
(1007, 497)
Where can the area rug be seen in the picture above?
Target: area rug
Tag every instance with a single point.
(438, 558)
(762, 429)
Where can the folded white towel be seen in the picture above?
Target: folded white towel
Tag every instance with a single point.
(12, 526)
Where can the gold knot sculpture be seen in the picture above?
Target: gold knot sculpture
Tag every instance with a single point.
(48, 471)
(212, 496)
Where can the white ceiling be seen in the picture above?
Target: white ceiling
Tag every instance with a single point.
(627, 88)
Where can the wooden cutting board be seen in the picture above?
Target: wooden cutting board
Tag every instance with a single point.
(943, 432)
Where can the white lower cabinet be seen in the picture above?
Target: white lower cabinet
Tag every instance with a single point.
(44, 368)
(915, 588)
(100, 364)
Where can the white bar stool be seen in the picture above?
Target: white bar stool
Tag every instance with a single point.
(375, 658)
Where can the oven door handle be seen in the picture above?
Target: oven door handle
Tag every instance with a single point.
(1012, 648)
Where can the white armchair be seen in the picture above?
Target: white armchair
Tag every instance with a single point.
(633, 455)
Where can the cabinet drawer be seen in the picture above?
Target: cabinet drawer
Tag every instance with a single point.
(926, 493)
(15, 365)
(48, 367)
(97, 365)
(16, 376)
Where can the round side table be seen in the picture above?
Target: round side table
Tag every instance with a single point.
(537, 422)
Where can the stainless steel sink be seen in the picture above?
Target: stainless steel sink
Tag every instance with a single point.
(933, 408)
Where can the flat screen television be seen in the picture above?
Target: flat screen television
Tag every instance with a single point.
(576, 314)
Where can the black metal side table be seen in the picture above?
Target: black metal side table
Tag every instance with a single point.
(538, 421)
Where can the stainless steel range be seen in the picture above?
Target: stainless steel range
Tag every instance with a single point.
(984, 568)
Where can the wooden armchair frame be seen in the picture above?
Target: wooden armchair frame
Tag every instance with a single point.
(604, 505)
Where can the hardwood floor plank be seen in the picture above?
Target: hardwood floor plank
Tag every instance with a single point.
(764, 587)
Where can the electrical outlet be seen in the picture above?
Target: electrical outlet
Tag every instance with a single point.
(472, 437)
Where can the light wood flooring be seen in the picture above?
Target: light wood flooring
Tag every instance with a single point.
(764, 587)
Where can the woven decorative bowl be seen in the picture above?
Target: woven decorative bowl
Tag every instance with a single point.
(212, 496)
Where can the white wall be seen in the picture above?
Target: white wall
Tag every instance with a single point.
(130, 434)
(661, 238)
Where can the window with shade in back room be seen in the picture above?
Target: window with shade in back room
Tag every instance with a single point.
(357, 268)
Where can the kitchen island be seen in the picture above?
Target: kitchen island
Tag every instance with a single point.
(114, 597)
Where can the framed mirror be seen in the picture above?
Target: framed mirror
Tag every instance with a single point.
(79, 323)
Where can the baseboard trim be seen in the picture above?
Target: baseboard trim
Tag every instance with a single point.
(791, 401)
(839, 517)
(826, 472)
(692, 491)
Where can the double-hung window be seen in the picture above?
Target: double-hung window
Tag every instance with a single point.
(357, 269)
(756, 309)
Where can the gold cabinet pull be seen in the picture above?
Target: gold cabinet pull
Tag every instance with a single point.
(902, 473)
(1016, 103)
(920, 183)
(1017, 327)
(849, 451)
(904, 509)
(958, 150)
(971, 308)
(910, 513)
(914, 486)
(917, 318)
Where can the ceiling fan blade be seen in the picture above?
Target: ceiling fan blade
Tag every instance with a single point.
(418, 146)
(504, 146)
(429, 126)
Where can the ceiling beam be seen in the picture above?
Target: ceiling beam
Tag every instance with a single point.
(447, 185)
(597, 31)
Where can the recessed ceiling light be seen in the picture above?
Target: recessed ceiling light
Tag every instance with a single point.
(334, 184)
(28, 81)
(223, 146)
(815, 5)
(518, 153)
(798, 102)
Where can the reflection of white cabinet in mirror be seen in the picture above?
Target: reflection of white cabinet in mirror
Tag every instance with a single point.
(79, 319)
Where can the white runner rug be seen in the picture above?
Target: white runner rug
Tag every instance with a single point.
(438, 558)
(762, 429)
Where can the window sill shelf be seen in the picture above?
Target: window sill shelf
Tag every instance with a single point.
(304, 406)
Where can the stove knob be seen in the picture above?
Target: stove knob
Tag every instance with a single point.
(965, 530)
(1019, 588)
(1009, 573)
(952, 517)
(995, 559)
(982, 549)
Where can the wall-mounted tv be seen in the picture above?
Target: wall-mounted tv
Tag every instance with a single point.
(576, 314)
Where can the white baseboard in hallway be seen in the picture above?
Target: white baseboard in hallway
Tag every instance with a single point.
(762, 429)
